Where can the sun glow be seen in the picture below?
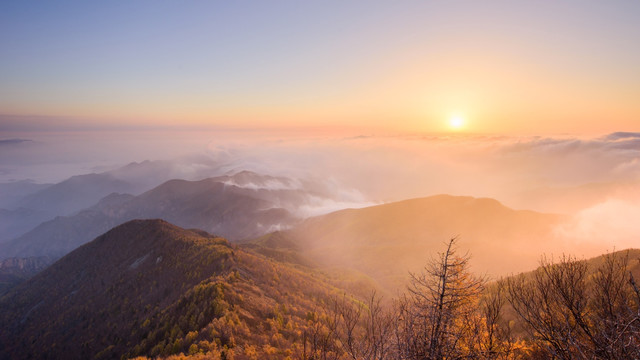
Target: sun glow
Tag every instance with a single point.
(456, 122)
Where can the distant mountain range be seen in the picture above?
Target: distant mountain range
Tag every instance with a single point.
(18, 221)
(241, 206)
(15, 220)
(150, 288)
(75, 193)
(24, 204)
(81, 191)
(13, 192)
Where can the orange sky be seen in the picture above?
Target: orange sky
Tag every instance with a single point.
(516, 68)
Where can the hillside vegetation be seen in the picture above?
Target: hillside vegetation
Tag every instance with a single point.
(151, 288)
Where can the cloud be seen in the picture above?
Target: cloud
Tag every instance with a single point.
(595, 181)
(622, 135)
(612, 223)
(319, 206)
(9, 142)
(522, 172)
(270, 184)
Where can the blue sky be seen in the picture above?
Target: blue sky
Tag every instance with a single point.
(507, 64)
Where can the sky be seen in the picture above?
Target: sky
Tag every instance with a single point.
(532, 103)
(382, 67)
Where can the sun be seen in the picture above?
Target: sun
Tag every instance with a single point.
(456, 122)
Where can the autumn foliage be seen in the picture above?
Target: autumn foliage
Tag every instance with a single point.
(158, 291)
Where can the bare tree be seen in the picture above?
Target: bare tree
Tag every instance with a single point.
(364, 328)
(435, 317)
(320, 335)
(575, 313)
(615, 305)
(494, 338)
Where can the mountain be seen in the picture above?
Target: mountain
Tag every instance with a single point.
(240, 206)
(62, 199)
(150, 288)
(75, 193)
(24, 205)
(387, 241)
(16, 222)
(151, 173)
(55, 238)
(12, 192)
(81, 191)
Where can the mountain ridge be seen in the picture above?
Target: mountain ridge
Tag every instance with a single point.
(209, 204)
(386, 241)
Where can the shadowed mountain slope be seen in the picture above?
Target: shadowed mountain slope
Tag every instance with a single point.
(150, 288)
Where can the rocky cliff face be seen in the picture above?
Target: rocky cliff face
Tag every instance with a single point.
(24, 266)
(14, 271)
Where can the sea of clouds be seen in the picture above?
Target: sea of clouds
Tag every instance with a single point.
(595, 179)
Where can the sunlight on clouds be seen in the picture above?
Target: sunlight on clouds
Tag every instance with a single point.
(592, 180)
(611, 223)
